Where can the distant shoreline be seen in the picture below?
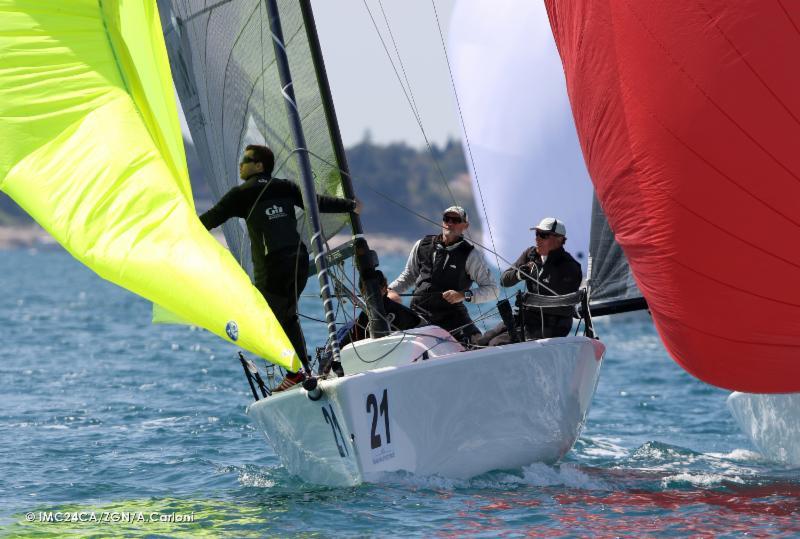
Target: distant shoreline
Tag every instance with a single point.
(33, 236)
(26, 237)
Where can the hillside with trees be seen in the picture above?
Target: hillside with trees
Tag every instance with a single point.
(391, 180)
(387, 178)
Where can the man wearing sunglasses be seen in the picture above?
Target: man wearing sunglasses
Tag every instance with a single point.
(548, 270)
(280, 258)
(442, 269)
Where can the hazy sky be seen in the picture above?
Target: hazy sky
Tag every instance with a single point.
(366, 92)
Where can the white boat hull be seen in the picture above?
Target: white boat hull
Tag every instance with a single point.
(772, 422)
(456, 416)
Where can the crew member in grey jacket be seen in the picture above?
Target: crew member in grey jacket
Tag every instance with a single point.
(442, 269)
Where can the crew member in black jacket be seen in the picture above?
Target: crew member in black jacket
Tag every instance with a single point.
(399, 316)
(280, 258)
(546, 268)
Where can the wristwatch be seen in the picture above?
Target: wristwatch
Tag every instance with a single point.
(468, 295)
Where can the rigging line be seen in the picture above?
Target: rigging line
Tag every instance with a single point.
(345, 281)
(208, 8)
(283, 141)
(410, 104)
(355, 322)
(399, 58)
(349, 287)
(263, 78)
(466, 135)
(422, 217)
(263, 115)
(311, 318)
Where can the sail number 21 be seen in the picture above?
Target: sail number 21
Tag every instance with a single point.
(381, 410)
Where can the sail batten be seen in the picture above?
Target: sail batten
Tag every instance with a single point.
(99, 163)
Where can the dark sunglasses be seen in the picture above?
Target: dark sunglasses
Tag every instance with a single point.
(452, 219)
(543, 235)
(246, 160)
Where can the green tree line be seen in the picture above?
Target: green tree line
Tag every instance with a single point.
(393, 181)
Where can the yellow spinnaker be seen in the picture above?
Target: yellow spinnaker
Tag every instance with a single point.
(91, 147)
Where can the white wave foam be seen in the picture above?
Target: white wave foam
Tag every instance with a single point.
(739, 455)
(604, 447)
(568, 475)
(258, 480)
(164, 421)
(699, 480)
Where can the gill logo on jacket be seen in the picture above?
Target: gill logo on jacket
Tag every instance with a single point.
(275, 212)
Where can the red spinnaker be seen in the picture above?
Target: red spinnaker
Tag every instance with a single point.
(688, 115)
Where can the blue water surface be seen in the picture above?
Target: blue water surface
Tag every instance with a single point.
(103, 413)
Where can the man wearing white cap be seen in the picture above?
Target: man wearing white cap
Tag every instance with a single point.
(548, 270)
(442, 269)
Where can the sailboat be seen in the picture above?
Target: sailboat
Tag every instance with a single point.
(413, 401)
(93, 152)
(689, 119)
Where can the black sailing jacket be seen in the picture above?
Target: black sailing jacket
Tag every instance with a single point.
(267, 205)
(560, 272)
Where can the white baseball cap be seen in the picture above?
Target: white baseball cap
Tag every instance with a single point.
(458, 210)
(552, 225)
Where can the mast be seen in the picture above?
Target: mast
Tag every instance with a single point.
(307, 187)
(366, 260)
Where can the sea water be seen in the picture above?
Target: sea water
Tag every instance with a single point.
(111, 426)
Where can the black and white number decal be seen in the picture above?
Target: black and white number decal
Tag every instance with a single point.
(330, 419)
(381, 409)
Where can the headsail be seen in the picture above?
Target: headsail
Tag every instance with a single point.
(689, 117)
(228, 82)
(92, 149)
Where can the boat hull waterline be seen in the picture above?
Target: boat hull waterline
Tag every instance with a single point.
(455, 416)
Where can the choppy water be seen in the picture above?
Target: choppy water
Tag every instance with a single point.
(103, 412)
